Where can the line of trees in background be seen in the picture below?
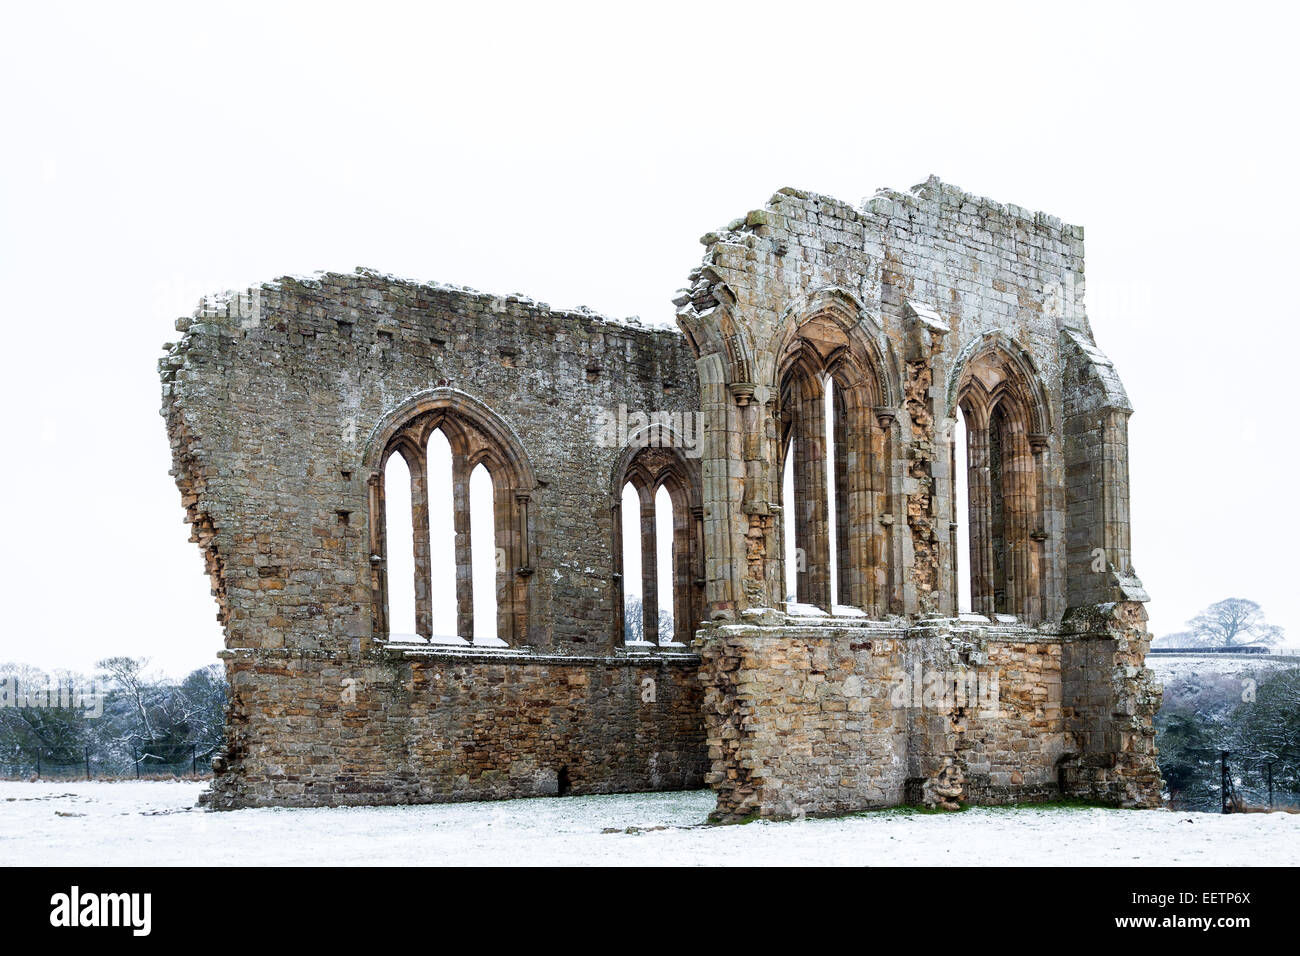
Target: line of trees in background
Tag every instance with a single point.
(144, 723)
(1254, 716)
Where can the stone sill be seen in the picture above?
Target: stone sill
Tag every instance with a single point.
(858, 629)
(501, 655)
(518, 655)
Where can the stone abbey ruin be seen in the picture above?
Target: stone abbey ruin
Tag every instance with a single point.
(853, 346)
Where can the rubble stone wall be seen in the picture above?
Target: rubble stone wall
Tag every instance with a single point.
(833, 715)
(313, 729)
(272, 399)
(273, 396)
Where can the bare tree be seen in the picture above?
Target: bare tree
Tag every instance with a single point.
(634, 621)
(1230, 622)
(127, 673)
(161, 720)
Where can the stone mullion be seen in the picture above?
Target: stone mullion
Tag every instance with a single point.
(981, 519)
(1010, 514)
(997, 498)
(1016, 458)
(884, 562)
(519, 559)
(840, 458)
(717, 489)
(1042, 521)
(682, 575)
(1025, 547)
(618, 591)
(649, 569)
(378, 554)
(464, 554)
(1037, 524)
(1027, 462)
(420, 527)
(698, 570)
(503, 546)
(811, 533)
(857, 565)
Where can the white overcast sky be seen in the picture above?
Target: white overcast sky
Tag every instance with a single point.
(152, 154)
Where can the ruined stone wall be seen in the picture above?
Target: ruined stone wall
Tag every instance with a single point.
(1099, 566)
(421, 727)
(916, 305)
(1111, 702)
(272, 400)
(1010, 753)
(833, 715)
(799, 718)
(921, 283)
(281, 402)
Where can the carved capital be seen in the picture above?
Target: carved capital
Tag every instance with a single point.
(742, 392)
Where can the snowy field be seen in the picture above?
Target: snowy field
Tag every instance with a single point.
(1169, 667)
(86, 824)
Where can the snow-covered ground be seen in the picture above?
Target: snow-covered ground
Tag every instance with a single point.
(86, 824)
(1170, 667)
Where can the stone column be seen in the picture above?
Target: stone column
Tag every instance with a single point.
(423, 564)
(464, 561)
(683, 573)
(516, 567)
(1098, 563)
(649, 569)
(886, 594)
(378, 548)
(721, 480)
(1017, 462)
(1036, 610)
(617, 587)
(979, 495)
(855, 514)
(811, 526)
(698, 572)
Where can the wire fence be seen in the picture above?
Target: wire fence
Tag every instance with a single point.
(144, 762)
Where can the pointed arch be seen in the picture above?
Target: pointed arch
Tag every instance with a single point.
(476, 436)
(824, 343)
(654, 460)
(859, 333)
(398, 527)
(995, 386)
(995, 364)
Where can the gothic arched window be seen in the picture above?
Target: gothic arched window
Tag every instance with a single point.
(470, 547)
(656, 493)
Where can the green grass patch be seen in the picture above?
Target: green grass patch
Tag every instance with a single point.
(1071, 804)
(907, 810)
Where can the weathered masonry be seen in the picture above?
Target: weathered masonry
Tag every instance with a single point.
(895, 462)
